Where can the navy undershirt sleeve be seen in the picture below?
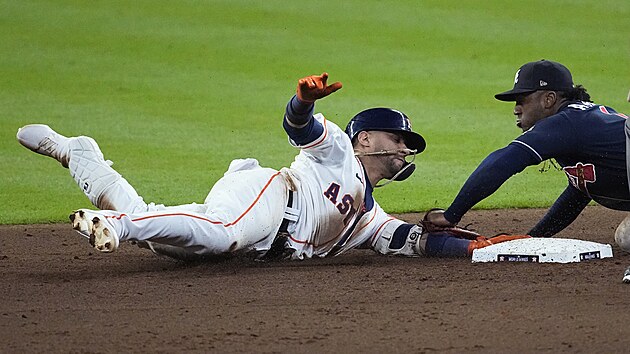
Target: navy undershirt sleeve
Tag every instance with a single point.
(493, 171)
(298, 112)
(439, 244)
(301, 114)
(562, 213)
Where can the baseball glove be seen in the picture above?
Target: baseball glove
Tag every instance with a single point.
(429, 226)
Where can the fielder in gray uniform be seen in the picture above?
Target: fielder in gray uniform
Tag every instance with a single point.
(321, 206)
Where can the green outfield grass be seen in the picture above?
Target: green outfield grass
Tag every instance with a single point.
(174, 90)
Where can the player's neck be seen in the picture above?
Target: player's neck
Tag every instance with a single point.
(372, 167)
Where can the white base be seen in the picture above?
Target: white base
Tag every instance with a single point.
(543, 250)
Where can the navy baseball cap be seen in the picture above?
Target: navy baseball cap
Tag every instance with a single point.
(538, 75)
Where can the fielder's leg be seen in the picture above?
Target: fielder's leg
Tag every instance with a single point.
(622, 234)
(626, 276)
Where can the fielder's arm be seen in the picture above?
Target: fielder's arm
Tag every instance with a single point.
(493, 171)
(412, 240)
(562, 213)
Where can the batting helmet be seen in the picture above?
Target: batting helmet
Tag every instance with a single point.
(389, 120)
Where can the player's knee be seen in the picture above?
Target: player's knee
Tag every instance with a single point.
(622, 234)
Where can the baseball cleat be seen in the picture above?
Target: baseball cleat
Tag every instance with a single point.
(41, 139)
(95, 226)
(626, 276)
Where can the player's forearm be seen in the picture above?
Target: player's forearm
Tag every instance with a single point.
(299, 123)
(412, 240)
(493, 171)
(562, 213)
(396, 237)
(298, 113)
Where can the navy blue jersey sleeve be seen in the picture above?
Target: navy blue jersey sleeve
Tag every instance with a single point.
(562, 213)
(299, 123)
(549, 138)
(493, 171)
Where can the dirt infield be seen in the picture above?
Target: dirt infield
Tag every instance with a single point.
(57, 295)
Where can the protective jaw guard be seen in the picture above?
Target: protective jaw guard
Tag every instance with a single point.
(407, 169)
(405, 172)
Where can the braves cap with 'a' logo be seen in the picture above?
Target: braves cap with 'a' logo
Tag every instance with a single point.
(538, 75)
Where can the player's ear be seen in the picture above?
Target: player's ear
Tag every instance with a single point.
(549, 99)
(363, 138)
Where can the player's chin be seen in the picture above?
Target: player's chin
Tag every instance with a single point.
(394, 169)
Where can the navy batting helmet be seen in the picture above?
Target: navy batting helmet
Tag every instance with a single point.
(389, 120)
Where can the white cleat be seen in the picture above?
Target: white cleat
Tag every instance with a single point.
(41, 139)
(95, 226)
(626, 276)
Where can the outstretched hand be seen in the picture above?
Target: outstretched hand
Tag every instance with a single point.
(434, 220)
(314, 87)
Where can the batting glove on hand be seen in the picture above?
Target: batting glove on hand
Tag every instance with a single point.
(314, 87)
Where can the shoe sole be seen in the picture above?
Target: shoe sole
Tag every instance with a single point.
(100, 237)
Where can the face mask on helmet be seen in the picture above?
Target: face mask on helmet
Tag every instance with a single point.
(390, 120)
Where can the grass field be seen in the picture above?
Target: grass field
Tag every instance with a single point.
(174, 90)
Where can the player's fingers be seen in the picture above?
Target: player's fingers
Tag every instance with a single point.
(306, 82)
(336, 86)
(312, 82)
(323, 78)
(333, 87)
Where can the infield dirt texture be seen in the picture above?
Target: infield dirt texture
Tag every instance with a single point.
(59, 296)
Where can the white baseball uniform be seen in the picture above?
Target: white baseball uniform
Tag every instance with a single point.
(332, 207)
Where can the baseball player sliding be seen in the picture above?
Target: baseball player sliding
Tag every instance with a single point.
(321, 206)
